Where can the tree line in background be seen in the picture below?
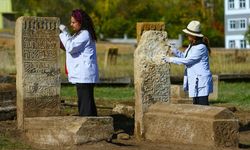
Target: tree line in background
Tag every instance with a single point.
(114, 18)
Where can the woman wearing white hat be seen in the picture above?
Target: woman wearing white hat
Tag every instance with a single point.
(197, 76)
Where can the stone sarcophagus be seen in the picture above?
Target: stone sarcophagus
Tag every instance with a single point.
(191, 124)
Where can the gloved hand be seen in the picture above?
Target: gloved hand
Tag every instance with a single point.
(165, 59)
(62, 27)
(172, 47)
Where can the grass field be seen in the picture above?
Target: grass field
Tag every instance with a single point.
(230, 94)
(221, 61)
(235, 94)
(8, 143)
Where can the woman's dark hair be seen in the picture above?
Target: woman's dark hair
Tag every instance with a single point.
(86, 22)
(204, 40)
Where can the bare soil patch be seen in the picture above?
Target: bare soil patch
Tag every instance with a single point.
(124, 124)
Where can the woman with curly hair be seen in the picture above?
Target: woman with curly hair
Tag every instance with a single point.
(81, 59)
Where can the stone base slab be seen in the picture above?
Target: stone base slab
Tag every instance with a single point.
(67, 130)
(191, 124)
(7, 113)
(179, 96)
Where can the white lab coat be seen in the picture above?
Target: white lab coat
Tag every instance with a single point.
(197, 76)
(81, 59)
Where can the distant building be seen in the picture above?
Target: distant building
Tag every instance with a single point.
(237, 20)
(7, 17)
(124, 40)
(133, 41)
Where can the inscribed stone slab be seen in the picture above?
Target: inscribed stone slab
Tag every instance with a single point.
(145, 26)
(191, 124)
(151, 75)
(37, 63)
(67, 130)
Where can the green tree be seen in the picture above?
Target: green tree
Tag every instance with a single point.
(247, 34)
(57, 8)
(114, 18)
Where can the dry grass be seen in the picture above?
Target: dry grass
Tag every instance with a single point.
(230, 61)
(123, 66)
(221, 61)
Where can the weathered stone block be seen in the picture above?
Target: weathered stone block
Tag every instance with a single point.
(214, 95)
(110, 57)
(7, 113)
(38, 70)
(7, 101)
(67, 130)
(178, 95)
(191, 124)
(7, 94)
(146, 26)
(126, 110)
(151, 75)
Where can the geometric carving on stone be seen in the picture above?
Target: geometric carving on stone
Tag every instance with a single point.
(145, 26)
(38, 89)
(207, 126)
(38, 68)
(151, 75)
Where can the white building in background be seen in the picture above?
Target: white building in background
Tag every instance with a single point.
(237, 20)
(126, 40)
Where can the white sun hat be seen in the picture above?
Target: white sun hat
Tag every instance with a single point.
(193, 28)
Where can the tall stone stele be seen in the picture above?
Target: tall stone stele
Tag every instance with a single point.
(151, 75)
(37, 63)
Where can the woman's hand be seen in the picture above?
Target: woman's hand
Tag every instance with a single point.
(172, 48)
(63, 28)
(165, 59)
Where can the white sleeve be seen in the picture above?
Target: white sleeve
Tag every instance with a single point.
(192, 58)
(178, 53)
(74, 44)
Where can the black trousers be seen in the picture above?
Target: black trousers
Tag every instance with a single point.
(203, 100)
(86, 102)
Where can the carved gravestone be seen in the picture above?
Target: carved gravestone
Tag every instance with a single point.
(146, 26)
(151, 75)
(38, 90)
(203, 126)
(37, 63)
(110, 57)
